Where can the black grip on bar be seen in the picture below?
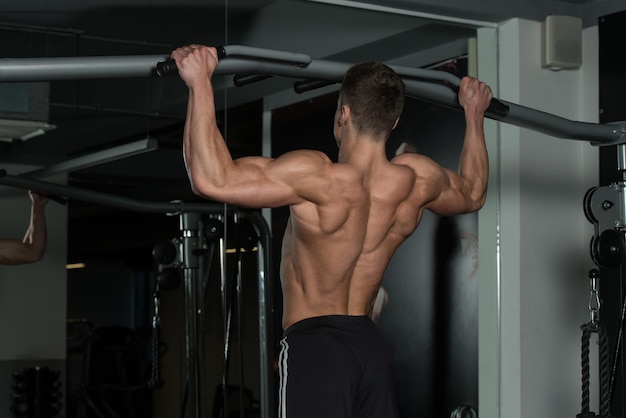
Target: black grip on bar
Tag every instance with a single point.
(221, 52)
(308, 85)
(168, 68)
(241, 80)
(59, 199)
(498, 108)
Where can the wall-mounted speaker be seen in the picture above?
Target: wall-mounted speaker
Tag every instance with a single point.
(561, 38)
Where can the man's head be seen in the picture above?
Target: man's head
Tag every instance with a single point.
(374, 94)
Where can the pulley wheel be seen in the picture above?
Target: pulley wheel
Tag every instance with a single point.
(609, 248)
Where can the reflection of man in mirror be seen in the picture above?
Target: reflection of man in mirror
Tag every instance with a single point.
(33, 246)
(382, 297)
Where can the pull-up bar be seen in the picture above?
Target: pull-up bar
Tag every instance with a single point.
(433, 86)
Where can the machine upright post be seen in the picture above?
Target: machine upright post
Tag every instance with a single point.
(266, 315)
(621, 159)
(190, 243)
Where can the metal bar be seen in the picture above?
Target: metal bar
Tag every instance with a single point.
(266, 313)
(596, 134)
(193, 342)
(279, 63)
(170, 208)
(524, 117)
(96, 158)
(317, 69)
(79, 68)
(621, 157)
(427, 74)
(294, 58)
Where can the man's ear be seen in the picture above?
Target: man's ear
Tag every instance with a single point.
(345, 114)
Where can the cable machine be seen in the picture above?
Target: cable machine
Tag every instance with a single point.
(189, 253)
(605, 207)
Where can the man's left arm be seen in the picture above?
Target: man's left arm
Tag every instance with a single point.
(465, 190)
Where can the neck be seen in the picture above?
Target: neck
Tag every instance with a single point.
(361, 150)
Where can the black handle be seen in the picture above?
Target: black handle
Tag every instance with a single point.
(498, 108)
(308, 85)
(59, 199)
(241, 80)
(168, 68)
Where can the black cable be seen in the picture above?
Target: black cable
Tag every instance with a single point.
(205, 282)
(606, 379)
(617, 350)
(227, 338)
(605, 400)
(93, 406)
(584, 357)
(156, 380)
(605, 360)
(106, 406)
(183, 405)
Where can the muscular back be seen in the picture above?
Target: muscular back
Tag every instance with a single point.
(335, 252)
(347, 219)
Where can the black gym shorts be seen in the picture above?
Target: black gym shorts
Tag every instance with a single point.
(335, 366)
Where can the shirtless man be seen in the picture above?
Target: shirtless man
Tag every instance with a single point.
(33, 246)
(346, 221)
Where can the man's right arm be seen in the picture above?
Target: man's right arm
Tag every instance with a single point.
(250, 181)
(207, 159)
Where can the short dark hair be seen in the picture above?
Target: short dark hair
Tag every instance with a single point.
(375, 95)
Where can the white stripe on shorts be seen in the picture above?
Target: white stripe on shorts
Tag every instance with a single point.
(282, 367)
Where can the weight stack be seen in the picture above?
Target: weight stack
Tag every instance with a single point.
(36, 393)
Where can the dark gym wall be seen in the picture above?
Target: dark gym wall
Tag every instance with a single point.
(432, 288)
(612, 87)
